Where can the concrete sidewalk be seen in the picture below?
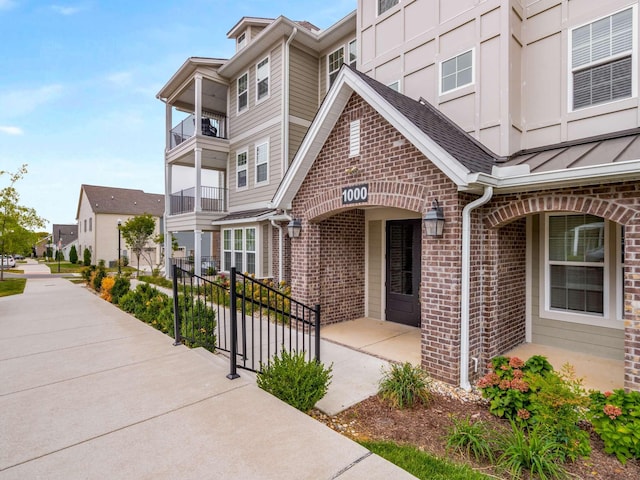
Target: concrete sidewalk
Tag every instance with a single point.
(90, 392)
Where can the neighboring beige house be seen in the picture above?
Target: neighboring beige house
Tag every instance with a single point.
(247, 117)
(100, 209)
(516, 122)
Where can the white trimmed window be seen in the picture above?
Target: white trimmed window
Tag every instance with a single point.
(239, 249)
(352, 48)
(384, 5)
(243, 92)
(262, 79)
(576, 263)
(334, 61)
(456, 72)
(601, 60)
(354, 138)
(241, 170)
(262, 162)
(241, 41)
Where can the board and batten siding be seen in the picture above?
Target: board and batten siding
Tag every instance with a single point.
(578, 337)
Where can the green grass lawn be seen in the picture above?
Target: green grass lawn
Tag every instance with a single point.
(421, 464)
(12, 286)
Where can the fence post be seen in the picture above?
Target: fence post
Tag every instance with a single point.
(317, 333)
(176, 308)
(233, 353)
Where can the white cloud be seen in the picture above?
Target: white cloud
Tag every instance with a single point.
(65, 10)
(7, 4)
(11, 130)
(120, 79)
(21, 102)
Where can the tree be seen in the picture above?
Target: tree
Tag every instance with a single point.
(137, 233)
(17, 222)
(86, 257)
(73, 254)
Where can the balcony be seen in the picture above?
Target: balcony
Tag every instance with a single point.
(212, 199)
(213, 125)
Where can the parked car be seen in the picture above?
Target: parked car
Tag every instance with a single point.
(18, 257)
(8, 261)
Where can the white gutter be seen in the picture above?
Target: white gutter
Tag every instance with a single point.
(464, 300)
(280, 242)
(285, 104)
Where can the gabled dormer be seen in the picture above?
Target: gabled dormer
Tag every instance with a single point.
(247, 29)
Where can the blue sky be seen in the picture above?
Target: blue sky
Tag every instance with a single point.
(78, 82)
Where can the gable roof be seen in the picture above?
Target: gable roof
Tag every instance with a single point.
(449, 147)
(441, 129)
(123, 201)
(67, 232)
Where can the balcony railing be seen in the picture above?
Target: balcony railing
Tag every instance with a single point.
(213, 125)
(212, 199)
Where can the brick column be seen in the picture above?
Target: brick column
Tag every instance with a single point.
(632, 308)
(305, 264)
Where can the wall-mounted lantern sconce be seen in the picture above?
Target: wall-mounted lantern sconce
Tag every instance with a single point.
(294, 228)
(434, 220)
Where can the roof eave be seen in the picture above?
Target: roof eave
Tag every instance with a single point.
(345, 84)
(603, 173)
(187, 69)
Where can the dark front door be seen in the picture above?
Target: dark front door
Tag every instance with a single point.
(403, 271)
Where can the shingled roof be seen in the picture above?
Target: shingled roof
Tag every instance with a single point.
(442, 130)
(123, 201)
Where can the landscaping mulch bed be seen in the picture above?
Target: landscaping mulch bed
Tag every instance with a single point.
(426, 428)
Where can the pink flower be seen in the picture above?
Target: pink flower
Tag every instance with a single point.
(505, 385)
(515, 362)
(523, 413)
(504, 367)
(518, 374)
(608, 393)
(519, 384)
(612, 411)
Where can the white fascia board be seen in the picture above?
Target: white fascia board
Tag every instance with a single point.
(445, 162)
(345, 84)
(313, 142)
(610, 172)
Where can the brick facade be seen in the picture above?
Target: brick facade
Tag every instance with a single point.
(328, 260)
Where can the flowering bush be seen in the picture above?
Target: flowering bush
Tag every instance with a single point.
(532, 394)
(615, 416)
(105, 288)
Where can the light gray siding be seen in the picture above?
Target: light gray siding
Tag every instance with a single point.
(262, 193)
(303, 101)
(600, 341)
(374, 264)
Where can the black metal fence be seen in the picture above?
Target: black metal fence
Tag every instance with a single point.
(251, 320)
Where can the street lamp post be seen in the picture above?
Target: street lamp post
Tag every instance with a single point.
(119, 250)
(59, 247)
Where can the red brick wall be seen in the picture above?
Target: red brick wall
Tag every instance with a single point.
(619, 202)
(342, 257)
(398, 176)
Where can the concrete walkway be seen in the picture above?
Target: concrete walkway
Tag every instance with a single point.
(90, 392)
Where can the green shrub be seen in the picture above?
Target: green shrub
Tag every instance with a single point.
(531, 393)
(86, 257)
(121, 286)
(99, 273)
(87, 272)
(474, 439)
(73, 255)
(615, 416)
(536, 451)
(405, 386)
(294, 380)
